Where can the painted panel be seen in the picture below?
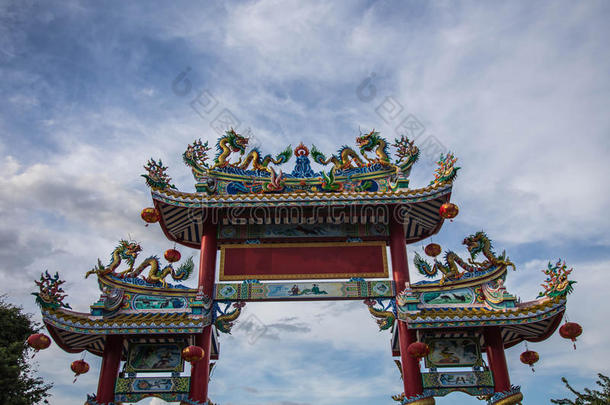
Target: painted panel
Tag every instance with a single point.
(453, 352)
(463, 296)
(141, 302)
(285, 261)
(170, 389)
(154, 357)
(301, 231)
(305, 291)
(457, 379)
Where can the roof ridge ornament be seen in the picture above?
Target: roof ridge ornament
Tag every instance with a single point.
(239, 170)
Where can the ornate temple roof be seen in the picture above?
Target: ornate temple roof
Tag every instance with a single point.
(357, 188)
(471, 295)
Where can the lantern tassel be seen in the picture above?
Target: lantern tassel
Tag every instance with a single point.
(574, 343)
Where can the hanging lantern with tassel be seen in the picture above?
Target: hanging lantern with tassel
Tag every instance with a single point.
(172, 255)
(571, 330)
(79, 367)
(529, 357)
(150, 215)
(192, 354)
(433, 249)
(418, 350)
(39, 341)
(449, 210)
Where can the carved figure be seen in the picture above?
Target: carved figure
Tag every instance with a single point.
(476, 244)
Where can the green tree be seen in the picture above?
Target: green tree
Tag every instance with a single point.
(18, 384)
(589, 397)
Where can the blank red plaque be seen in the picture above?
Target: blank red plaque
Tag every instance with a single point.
(288, 261)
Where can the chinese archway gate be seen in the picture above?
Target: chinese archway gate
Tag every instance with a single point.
(303, 235)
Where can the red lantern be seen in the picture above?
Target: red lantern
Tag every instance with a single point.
(529, 357)
(449, 210)
(172, 255)
(192, 354)
(432, 249)
(150, 215)
(79, 367)
(39, 341)
(418, 350)
(571, 330)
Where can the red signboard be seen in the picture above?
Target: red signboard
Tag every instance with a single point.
(287, 261)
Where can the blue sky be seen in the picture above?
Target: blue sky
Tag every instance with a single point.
(518, 90)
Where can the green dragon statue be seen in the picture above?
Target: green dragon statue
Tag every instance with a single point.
(232, 142)
(157, 275)
(157, 176)
(372, 141)
(224, 322)
(258, 163)
(346, 157)
(129, 251)
(50, 294)
(343, 160)
(476, 244)
(126, 250)
(557, 284)
(229, 143)
(384, 318)
(446, 170)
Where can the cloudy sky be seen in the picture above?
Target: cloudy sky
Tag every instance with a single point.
(91, 90)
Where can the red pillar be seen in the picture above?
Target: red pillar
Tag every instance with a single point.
(497, 359)
(111, 359)
(200, 372)
(410, 366)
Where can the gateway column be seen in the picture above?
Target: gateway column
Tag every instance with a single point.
(200, 372)
(111, 359)
(497, 359)
(412, 379)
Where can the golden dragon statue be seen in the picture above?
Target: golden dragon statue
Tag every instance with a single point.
(129, 251)
(225, 321)
(232, 142)
(347, 158)
(476, 244)
(385, 318)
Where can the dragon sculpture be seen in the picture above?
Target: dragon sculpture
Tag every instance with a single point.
(225, 320)
(385, 317)
(476, 244)
(262, 164)
(557, 284)
(50, 294)
(129, 251)
(229, 143)
(372, 141)
(346, 157)
(232, 142)
(342, 161)
(157, 176)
